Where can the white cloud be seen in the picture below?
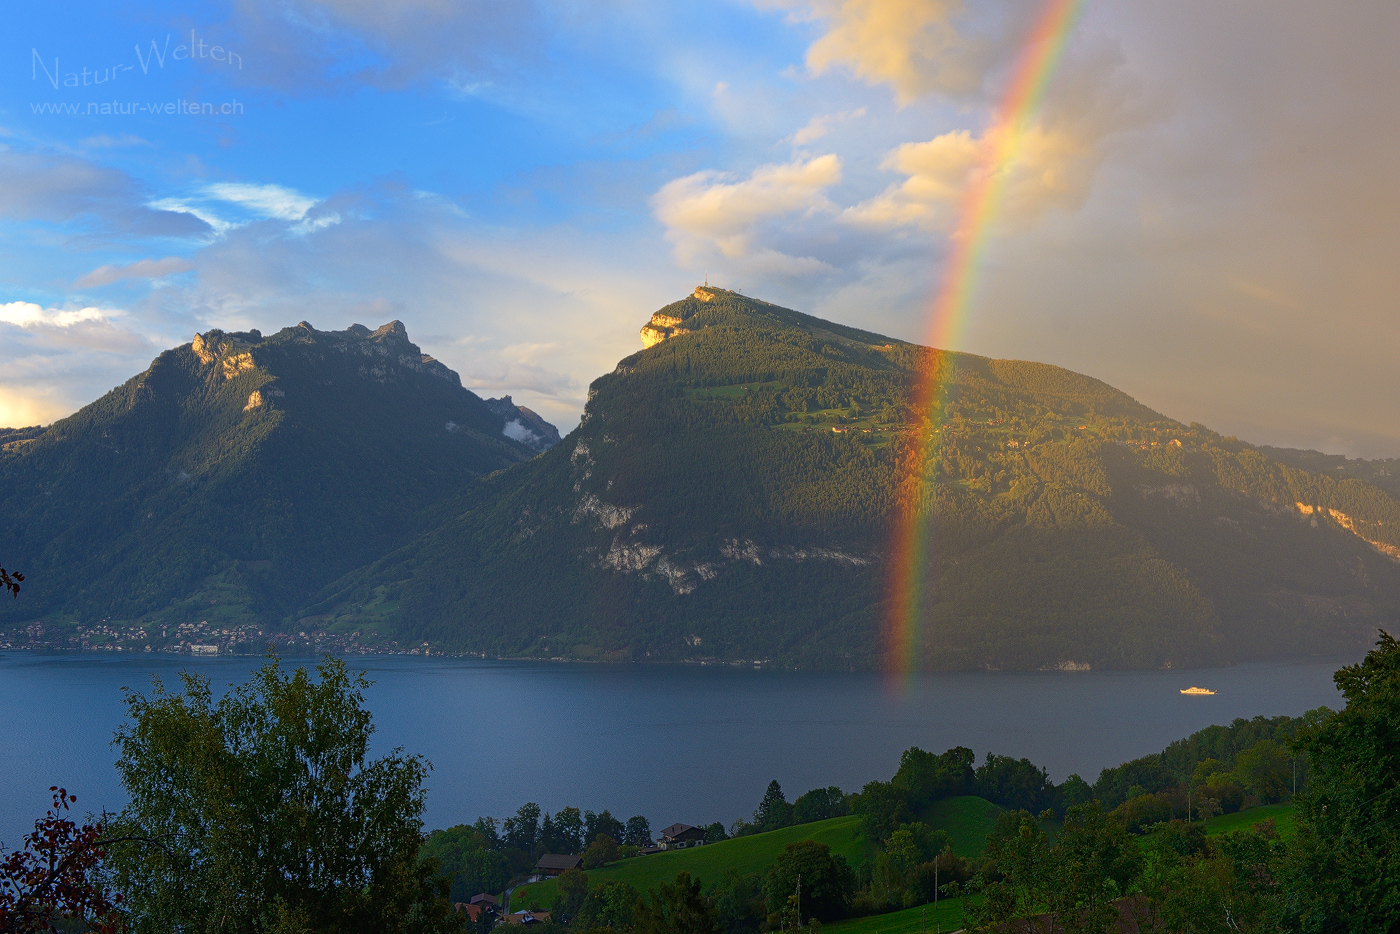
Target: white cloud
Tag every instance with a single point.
(263, 200)
(225, 206)
(29, 315)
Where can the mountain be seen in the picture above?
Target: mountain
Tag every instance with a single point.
(730, 491)
(240, 474)
(1383, 473)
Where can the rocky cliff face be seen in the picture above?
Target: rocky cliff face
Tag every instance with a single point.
(524, 425)
(662, 325)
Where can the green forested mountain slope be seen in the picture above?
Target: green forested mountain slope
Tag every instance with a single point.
(238, 475)
(730, 494)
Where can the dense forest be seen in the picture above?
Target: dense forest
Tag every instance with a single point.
(731, 490)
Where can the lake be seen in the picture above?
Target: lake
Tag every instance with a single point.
(674, 743)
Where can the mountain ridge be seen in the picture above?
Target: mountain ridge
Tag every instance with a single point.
(728, 494)
(239, 473)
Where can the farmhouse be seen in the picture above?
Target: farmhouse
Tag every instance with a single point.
(681, 835)
(551, 864)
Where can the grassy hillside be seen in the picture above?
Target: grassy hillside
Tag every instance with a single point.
(753, 853)
(237, 476)
(966, 818)
(731, 490)
(1280, 814)
(926, 919)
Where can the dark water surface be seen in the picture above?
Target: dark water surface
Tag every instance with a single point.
(675, 743)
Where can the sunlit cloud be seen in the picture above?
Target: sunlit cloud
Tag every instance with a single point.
(141, 269)
(915, 47)
(819, 126)
(724, 212)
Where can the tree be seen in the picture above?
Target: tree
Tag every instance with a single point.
(1265, 770)
(568, 831)
(638, 831)
(1014, 783)
(1092, 863)
(738, 901)
(1015, 880)
(714, 832)
(1346, 855)
(678, 908)
(594, 824)
(773, 811)
(466, 856)
(54, 881)
(819, 804)
(523, 829)
(827, 881)
(600, 852)
(573, 890)
(269, 812)
(10, 580)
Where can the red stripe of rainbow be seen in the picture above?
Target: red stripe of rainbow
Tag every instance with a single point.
(1000, 145)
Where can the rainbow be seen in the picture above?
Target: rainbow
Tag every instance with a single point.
(978, 208)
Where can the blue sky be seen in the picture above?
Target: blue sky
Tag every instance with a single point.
(1204, 215)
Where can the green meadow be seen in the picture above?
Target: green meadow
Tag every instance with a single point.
(966, 819)
(1281, 814)
(948, 916)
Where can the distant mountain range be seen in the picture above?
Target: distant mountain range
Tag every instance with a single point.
(240, 474)
(728, 495)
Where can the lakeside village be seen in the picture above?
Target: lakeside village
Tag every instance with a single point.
(201, 638)
(208, 639)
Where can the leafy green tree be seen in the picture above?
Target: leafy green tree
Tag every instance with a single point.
(600, 852)
(773, 811)
(1015, 881)
(819, 804)
(1346, 855)
(572, 885)
(1075, 790)
(568, 831)
(638, 831)
(828, 884)
(268, 812)
(715, 832)
(1093, 862)
(738, 902)
(466, 856)
(1264, 769)
(1014, 783)
(609, 906)
(522, 829)
(594, 824)
(676, 908)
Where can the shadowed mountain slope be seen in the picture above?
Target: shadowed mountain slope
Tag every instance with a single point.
(731, 491)
(239, 475)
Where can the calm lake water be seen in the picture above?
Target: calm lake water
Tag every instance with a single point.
(675, 743)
